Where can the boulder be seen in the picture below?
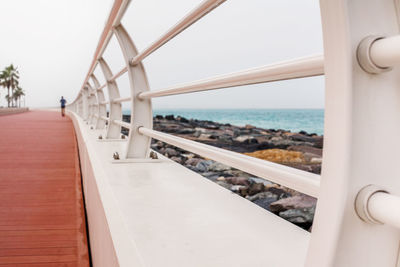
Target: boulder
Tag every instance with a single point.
(203, 165)
(299, 216)
(238, 181)
(296, 202)
(177, 160)
(262, 195)
(255, 188)
(218, 167)
(182, 119)
(171, 152)
(192, 161)
(265, 202)
(247, 139)
(170, 117)
(186, 131)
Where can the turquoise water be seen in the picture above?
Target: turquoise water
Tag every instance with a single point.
(295, 120)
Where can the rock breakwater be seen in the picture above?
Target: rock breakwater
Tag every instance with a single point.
(298, 150)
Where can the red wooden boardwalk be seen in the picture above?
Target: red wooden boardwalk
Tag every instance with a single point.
(42, 220)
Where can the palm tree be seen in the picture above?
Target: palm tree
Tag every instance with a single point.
(17, 95)
(9, 79)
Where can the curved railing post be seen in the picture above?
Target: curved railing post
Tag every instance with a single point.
(85, 103)
(362, 115)
(141, 112)
(101, 109)
(92, 104)
(80, 109)
(113, 129)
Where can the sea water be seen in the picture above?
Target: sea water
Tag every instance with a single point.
(295, 120)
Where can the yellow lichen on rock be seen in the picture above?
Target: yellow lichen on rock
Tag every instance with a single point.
(278, 155)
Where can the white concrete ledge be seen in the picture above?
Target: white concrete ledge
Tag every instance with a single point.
(144, 213)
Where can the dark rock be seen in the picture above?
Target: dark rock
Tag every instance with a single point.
(295, 202)
(182, 119)
(159, 117)
(318, 141)
(218, 167)
(262, 195)
(170, 117)
(186, 131)
(264, 202)
(202, 166)
(302, 138)
(171, 152)
(279, 192)
(255, 188)
(246, 139)
(211, 175)
(238, 181)
(192, 161)
(299, 216)
(260, 180)
(178, 160)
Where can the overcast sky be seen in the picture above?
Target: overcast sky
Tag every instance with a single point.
(53, 41)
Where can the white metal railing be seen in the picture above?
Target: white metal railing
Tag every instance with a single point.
(351, 95)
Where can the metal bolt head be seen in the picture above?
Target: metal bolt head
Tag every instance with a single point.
(122, 136)
(91, 127)
(100, 137)
(116, 156)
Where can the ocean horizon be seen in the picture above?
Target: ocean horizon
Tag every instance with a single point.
(294, 120)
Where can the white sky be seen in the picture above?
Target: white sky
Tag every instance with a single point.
(53, 41)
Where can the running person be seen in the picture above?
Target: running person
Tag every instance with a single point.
(63, 101)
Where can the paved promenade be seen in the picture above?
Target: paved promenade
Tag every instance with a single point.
(42, 221)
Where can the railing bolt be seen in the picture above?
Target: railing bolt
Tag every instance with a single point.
(364, 55)
(116, 156)
(91, 127)
(100, 137)
(361, 203)
(122, 136)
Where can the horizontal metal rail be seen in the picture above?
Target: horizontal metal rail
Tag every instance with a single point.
(117, 75)
(122, 123)
(102, 87)
(104, 102)
(302, 181)
(385, 52)
(291, 69)
(200, 11)
(121, 99)
(117, 11)
(385, 208)
(104, 118)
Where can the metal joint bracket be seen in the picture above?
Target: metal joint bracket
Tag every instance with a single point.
(364, 55)
(132, 62)
(361, 202)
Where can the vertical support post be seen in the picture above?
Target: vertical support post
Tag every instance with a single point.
(113, 130)
(85, 103)
(92, 104)
(138, 145)
(101, 110)
(362, 122)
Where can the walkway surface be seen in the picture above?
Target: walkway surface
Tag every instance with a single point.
(42, 220)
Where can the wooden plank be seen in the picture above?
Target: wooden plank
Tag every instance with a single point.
(42, 221)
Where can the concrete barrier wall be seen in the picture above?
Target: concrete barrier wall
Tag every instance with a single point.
(101, 244)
